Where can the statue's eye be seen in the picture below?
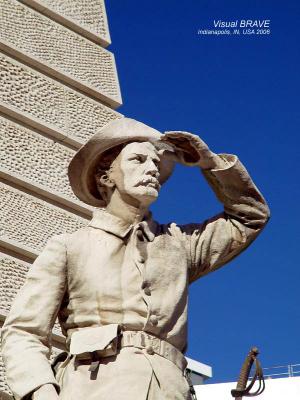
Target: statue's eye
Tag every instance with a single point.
(140, 158)
(137, 158)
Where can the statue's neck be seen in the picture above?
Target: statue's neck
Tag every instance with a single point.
(126, 208)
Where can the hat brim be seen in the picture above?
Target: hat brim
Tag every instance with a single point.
(82, 167)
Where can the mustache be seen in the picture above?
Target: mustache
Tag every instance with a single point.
(148, 180)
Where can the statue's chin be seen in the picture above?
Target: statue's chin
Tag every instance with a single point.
(145, 195)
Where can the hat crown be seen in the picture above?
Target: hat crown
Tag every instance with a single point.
(126, 128)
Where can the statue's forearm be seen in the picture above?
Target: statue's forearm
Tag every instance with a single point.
(236, 190)
(25, 334)
(214, 162)
(219, 239)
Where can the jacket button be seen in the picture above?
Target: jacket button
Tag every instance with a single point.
(153, 320)
(141, 259)
(149, 350)
(145, 284)
(146, 288)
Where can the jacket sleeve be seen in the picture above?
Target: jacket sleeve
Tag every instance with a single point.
(27, 329)
(221, 238)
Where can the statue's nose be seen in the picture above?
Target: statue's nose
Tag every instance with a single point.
(155, 174)
(152, 169)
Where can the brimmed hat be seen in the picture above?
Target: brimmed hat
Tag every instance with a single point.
(82, 167)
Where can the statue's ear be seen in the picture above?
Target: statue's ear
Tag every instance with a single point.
(106, 181)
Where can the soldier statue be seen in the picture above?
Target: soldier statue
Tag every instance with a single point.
(119, 286)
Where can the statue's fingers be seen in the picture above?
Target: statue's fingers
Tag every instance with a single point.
(182, 136)
(178, 135)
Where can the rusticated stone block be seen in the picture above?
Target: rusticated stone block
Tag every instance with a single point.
(85, 116)
(3, 385)
(30, 222)
(59, 51)
(26, 154)
(12, 277)
(87, 17)
(45, 103)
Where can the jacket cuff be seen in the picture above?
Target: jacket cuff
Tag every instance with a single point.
(27, 392)
(31, 394)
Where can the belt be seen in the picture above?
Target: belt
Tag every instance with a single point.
(153, 345)
(138, 339)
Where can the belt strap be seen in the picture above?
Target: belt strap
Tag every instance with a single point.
(154, 345)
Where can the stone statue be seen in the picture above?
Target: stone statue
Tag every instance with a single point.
(119, 286)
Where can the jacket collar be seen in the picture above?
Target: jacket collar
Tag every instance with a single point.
(118, 227)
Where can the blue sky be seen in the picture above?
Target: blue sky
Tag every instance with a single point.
(241, 95)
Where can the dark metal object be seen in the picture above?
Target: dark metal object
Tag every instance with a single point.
(241, 388)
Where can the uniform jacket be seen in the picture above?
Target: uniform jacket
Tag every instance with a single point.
(136, 275)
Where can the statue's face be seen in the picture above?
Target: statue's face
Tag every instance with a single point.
(136, 173)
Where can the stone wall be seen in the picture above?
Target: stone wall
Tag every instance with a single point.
(58, 85)
(63, 112)
(88, 19)
(58, 51)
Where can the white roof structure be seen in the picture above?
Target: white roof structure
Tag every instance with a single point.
(199, 368)
(276, 389)
(199, 371)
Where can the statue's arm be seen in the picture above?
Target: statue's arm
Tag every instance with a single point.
(219, 239)
(215, 242)
(27, 329)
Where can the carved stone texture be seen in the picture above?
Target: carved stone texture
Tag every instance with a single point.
(12, 277)
(34, 157)
(85, 116)
(30, 222)
(3, 385)
(87, 17)
(53, 107)
(59, 51)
